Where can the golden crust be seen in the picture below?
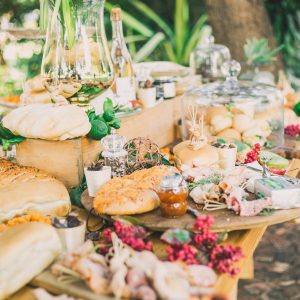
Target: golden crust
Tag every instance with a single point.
(30, 190)
(131, 194)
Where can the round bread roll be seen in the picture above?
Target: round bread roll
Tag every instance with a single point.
(254, 136)
(242, 122)
(48, 122)
(220, 122)
(246, 109)
(25, 251)
(230, 135)
(34, 85)
(184, 155)
(214, 111)
(26, 190)
(30, 98)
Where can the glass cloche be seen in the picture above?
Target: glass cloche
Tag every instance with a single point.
(236, 110)
(207, 59)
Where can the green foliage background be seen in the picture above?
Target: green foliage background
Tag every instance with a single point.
(284, 14)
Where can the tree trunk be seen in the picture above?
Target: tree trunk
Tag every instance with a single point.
(235, 21)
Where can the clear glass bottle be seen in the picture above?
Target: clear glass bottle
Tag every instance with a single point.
(124, 75)
(76, 61)
(114, 154)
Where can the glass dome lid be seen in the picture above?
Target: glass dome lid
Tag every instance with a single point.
(232, 90)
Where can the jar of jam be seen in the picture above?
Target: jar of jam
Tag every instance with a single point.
(173, 193)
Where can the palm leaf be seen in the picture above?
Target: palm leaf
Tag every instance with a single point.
(194, 38)
(149, 47)
(44, 9)
(170, 51)
(133, 38)
(152, 15)
(69, 22)
(132, 22)
(181, 19)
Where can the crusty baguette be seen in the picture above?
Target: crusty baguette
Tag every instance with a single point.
(48, 121)
(131, 194)
(27, 190)
(25, 251)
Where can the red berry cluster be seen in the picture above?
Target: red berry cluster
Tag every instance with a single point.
(223, 257)
(253, 154)
(292, 130)
(204, 249)
(183, 252)
(133, 236)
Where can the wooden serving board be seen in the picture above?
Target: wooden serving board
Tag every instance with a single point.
(225, 220)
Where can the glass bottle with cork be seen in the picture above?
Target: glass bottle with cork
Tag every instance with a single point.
(124, 87)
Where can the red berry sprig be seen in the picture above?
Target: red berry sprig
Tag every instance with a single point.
(253, 154)
(292, 130)
(204, 249)
(133, 236)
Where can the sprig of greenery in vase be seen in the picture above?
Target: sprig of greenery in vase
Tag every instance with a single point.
(64, 10)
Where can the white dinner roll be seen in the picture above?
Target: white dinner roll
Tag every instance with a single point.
(48, 121)
(229, 135)
(25, 251)
(215, 111)
(220, 122)
(290, 117)
(242, 122)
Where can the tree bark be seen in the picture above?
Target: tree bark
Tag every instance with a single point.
(235, 21)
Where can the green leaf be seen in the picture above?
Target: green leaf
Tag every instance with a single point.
(222, 237)
(148, 12)
(194, 38)
(132, 22)
(176, 236)
(128, 220)
(108, 116)
(69, 22)
(44, 11)
(170, 51)
(297, 109)
(149, 47)
(108, 105)
(181, 20)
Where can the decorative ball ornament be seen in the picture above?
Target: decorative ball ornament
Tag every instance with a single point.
(142, 154)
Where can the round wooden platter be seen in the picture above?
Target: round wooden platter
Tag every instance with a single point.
(225, 220)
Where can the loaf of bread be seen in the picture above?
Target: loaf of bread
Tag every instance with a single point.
(25, 251)
(131, 194)
(48, 121)
(28, 190)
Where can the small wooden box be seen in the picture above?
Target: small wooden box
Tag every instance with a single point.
(64, 160)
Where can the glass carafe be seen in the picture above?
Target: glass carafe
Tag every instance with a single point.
(76, 62)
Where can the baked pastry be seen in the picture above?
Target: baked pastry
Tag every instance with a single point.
(25, 251)
(186, 155)
(29, 190)
(131, 194)
(48, 121)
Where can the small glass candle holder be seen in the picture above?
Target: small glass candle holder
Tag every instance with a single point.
(114, 154)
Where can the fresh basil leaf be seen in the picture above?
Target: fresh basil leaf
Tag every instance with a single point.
(108, 105)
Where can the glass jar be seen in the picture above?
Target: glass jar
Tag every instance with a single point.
(76, 61)
(173, 193)
(237, 110)
(114, 154)
(165, 87)
(207, 59)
